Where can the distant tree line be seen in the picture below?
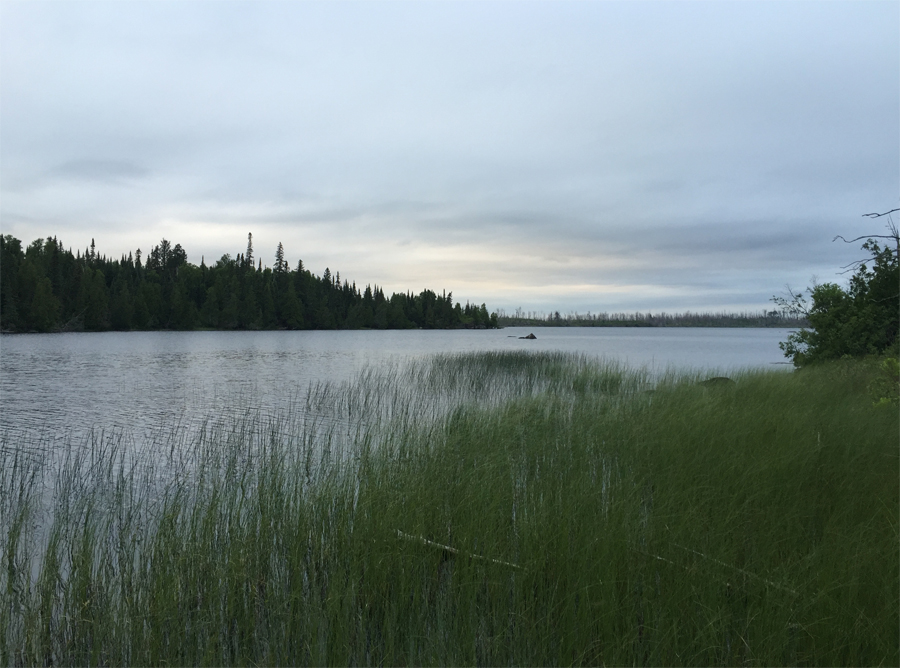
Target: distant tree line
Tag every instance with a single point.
(46, 288)
(780, 318)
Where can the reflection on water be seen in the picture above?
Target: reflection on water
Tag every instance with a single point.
(64, 386)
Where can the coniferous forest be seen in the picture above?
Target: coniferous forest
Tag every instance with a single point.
(46, 288)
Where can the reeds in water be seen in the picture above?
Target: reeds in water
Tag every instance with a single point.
(483, 509)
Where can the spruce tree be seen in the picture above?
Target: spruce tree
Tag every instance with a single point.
(44, 307)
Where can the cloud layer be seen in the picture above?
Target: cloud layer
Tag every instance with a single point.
(584, 156)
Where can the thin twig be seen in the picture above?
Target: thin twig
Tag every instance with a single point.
(721, 563)
(739, 570)
(658, 558)
(865, 236)
(879, 215)
(453, 550)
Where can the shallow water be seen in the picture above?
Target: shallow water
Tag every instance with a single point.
(144, 383)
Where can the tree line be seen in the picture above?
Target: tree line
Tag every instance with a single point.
(46, 288)
(779, 318)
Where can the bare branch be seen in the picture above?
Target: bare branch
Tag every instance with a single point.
(856, 263)
(865, 236)
(794, 304)
(887, 299)
(892, 228)
(879, 215)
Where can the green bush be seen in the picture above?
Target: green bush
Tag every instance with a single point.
(862, 320)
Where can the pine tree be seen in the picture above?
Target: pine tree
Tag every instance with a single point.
(10, 257)
(280, 264)
(94, 300)
(44, 306)
(121, 306)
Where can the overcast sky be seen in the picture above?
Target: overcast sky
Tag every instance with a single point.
(600, 156)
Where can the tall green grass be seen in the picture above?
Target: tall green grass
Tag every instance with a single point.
(482, 509)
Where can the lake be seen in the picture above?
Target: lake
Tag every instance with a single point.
(55, 386)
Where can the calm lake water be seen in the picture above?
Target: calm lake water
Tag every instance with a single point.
(65, 385)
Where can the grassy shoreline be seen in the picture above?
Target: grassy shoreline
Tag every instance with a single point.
(483, 509)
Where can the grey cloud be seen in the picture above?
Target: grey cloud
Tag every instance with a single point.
(708, 147)
(104, 171)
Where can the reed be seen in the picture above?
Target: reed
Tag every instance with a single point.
(477, 509)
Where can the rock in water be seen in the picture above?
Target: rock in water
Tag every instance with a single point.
(718, 381)
(530, 336)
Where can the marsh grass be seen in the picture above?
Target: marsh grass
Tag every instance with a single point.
(483, 509)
